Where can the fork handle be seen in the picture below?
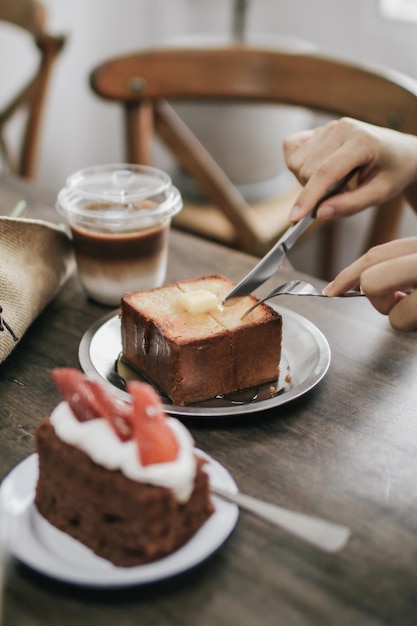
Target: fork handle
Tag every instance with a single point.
(320, 533)
(349, 294)
(281, 290)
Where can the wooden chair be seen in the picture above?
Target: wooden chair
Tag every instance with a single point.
(144, 82)
(30, 16)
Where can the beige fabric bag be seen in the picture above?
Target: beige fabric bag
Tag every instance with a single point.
(35, 260)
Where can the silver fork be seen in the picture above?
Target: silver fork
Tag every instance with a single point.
(299, 288)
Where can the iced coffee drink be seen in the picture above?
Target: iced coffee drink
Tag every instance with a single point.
(119, 217)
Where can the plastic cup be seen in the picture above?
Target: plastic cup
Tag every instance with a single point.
(119, 216)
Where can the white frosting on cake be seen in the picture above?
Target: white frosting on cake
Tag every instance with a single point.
(97, 439)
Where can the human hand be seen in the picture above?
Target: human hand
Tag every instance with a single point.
(387, 162)
(387, 275)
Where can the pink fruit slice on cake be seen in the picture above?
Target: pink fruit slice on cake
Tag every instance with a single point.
(143, 419)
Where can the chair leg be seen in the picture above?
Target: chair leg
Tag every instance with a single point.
(387, 221)
(139, 132)
(328, 244)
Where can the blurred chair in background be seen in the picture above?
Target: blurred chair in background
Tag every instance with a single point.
(19, 151)
(143, 83)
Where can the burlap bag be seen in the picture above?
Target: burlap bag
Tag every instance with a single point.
(35, 260)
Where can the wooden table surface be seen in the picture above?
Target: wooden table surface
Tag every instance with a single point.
(345, 451)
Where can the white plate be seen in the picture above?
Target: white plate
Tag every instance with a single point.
(305, 359)
(44, 548)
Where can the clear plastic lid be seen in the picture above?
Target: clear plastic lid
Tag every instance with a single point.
(119, 191)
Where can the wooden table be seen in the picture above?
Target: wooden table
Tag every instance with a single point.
(345, 451)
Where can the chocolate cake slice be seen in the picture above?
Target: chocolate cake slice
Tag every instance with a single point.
(124, 521)
(128, 485)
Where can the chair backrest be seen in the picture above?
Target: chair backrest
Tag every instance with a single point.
(29, 100)
(143, 82)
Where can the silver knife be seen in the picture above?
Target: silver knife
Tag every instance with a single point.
(270, 263)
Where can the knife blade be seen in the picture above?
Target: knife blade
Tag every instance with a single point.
(272, 260)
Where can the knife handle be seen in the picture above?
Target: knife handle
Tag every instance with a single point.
(334, 189)
(296, 230)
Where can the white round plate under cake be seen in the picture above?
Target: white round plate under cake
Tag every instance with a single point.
(305, 359)
(40, 546)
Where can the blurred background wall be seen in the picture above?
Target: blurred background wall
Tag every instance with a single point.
(80, 129)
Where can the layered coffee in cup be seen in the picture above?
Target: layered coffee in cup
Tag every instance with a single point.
(119, 217)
